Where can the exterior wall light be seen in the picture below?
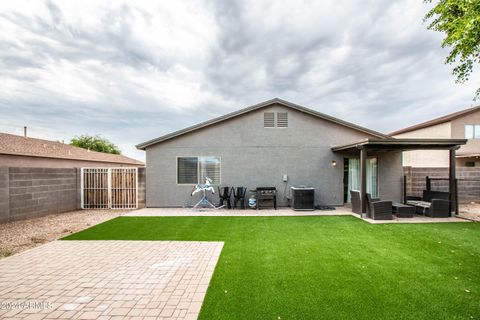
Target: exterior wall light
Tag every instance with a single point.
(334, 163)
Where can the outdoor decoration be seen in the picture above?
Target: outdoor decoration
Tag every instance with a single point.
(207, 186)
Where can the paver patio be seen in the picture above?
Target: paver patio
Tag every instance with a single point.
(108, 280)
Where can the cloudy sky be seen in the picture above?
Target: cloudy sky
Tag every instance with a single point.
(132, 71)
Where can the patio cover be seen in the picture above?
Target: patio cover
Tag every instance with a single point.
(385, 145)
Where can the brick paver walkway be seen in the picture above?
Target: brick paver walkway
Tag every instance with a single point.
(108, 280)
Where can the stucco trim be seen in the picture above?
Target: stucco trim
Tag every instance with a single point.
(144, 145)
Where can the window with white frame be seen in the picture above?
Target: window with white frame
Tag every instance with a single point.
(353, 166)
(472, 131)
(193, 170)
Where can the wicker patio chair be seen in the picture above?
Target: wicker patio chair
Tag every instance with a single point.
(355, 199)
(439, 208)
(379, 210)
(356, 204)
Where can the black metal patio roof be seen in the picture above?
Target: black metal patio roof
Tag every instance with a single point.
(401, 144)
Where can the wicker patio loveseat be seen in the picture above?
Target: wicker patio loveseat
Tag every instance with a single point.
(435, 204)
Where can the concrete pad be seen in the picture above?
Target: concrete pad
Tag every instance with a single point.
(107, 279)
(415, 219)
(280, 212)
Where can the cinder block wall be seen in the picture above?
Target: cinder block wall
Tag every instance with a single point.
(468, 181)
(39, 191)
(4, 194)
(33, 192)
(142, 180)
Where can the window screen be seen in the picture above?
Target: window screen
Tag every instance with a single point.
(469, 131)
(282, 120)
(269, 120)
(210, 167)
(476, 132)
(187, 170)
(193, 170)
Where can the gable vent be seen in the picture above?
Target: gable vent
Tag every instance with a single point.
(282, 120)
(269, 120)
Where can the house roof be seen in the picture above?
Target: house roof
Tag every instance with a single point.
(468, 155)
(32, 147)
(443, 119)
(255, 107)
(401, 144)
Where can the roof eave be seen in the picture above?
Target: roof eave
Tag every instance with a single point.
(71, 158)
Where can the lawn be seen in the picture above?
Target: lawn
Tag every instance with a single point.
(325, 267)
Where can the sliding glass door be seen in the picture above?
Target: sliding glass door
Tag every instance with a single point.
(352, 176)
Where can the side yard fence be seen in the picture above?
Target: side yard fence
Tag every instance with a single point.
(33, 192)
(468, 182)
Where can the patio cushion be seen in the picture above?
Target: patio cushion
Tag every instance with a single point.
(422, 204)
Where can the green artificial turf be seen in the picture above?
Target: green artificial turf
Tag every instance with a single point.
(325, 267)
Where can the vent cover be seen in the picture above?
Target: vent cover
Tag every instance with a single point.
(269, 120)
(282, 120)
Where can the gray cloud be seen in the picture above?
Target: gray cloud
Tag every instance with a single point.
(134, 71)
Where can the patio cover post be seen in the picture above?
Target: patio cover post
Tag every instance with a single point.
(451, 180)
(363, 179)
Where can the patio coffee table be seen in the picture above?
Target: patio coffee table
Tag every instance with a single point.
(403, 210)
(419, 205)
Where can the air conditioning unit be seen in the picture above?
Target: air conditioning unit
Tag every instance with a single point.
(303, 198)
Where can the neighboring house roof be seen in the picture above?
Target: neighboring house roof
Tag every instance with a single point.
(443, 119)
(468, 155)
(26, 146)
(284, 103)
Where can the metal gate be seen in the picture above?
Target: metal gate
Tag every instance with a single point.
(109, 188)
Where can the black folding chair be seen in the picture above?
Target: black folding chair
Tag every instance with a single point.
(239, 196)
(225, 193)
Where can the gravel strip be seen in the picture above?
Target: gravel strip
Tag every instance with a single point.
(471, 211)
(20, 235)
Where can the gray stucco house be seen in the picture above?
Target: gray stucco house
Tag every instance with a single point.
(258, 145)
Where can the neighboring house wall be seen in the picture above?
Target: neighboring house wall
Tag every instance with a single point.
(254, 156)
(43, 162)
(462, 162)
(458, 132)
(427, 158)
(453, 129)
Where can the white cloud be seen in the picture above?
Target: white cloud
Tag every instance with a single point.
(132, 71)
